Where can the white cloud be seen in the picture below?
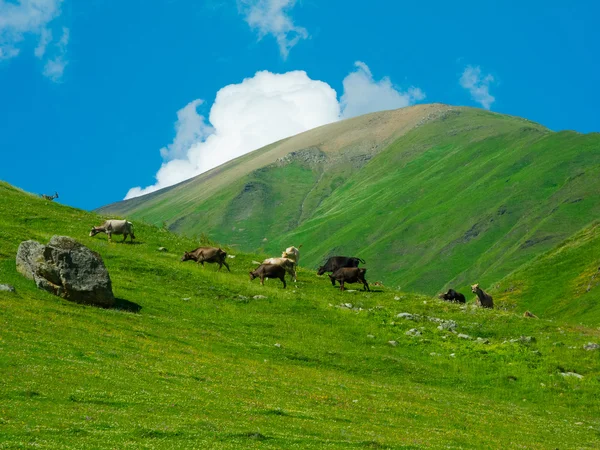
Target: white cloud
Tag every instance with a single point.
(32, 17)
(264, 109)
(55, 67)
(244, 117)
(362, 94)
(478, 85)
(272, 17)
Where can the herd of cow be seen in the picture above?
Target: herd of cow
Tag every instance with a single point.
(342, 269)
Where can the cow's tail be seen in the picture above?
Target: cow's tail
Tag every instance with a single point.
(362, 261)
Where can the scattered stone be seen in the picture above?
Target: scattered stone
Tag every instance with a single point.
(186, 299)
(7, 288)
(162, 249)
(278, 345)
(393, 343)
(67, 269)
(242, 297)
(464, 336)
(350, 290)
(259, 297)
(346, 305)
(231, 256)
(589, 346)
(571, 374)
(434, 354)
(452, 355)
(407, 316)
(413, 332)
(370, 336)
(524, 340)
(482, 340)
(449, 325)
(396, 298)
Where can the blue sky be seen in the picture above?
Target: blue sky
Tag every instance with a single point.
(90, 92)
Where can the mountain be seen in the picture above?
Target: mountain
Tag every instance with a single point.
(213, 360)
(431, 196)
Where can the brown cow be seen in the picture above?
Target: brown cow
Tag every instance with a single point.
(485, 299)
(268, 271)
(209, 255)
(350, 275)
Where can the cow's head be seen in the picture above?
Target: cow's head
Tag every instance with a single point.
(94, 231)
(442, 296)
(186, 256)
(252, 276)
(321, 270)
(474, 288)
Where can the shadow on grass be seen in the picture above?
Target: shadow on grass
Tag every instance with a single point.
(126, 305)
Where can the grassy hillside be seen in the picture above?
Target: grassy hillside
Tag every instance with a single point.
(204, 364)
(461, 196)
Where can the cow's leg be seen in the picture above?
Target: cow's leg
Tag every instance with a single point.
(283, 281)
(342, 285)
(109, 234)
(226, 265)
(124, 237)
(295, 277)
(220, 265)
(262, 280)
(366, 285)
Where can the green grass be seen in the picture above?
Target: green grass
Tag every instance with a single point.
(197, 366)
(469, 197)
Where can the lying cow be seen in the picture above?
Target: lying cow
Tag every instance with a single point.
(268, 271)
(208, 255)
(114, 226)
(350, 275)
(286, 263)
(484, 299)
(453, 296)
(292, 253)
(337, 262)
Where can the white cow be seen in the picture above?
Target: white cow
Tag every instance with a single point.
(114, 226)
(292, 253)
(286, 263)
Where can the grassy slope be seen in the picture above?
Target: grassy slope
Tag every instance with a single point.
(205, 372)
(468, 197)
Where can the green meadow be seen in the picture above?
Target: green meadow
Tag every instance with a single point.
(190, 358)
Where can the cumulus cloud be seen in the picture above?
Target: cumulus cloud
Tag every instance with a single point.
(478, 85)
(245, 116)
(272, 17)
(264, 109)
(363, 94)
(32, 17)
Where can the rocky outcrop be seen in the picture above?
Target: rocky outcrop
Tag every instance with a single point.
(68, 269)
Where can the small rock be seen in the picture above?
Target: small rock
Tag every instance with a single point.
(524, 340)
(370, 336)
(434, 354)
(452, 355)
(350, 290)
(346, 305)
(589, 346)
(278, 345)
(7, 288)
(186, 299)
(571, 374)
(482, 340)
(407, 316)
(464, 336)
(393, 343)
(259, 297)
(242, 297)
(162, 249)
(413, 332)
(231, 256)
(396, 298)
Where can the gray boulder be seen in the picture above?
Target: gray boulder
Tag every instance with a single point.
(67, 269)
(7, 288)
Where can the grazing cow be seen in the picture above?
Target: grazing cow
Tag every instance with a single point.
(453, 296)
(484, 299)
(286, 263)
(114, 226)
(350, 275)
(293, 253)
(49, 197)
(268, 271)
(337, 262)
(208, 255)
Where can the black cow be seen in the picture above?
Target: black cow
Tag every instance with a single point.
(268, 271)
(350, 275)
(209, 255)
(337, 262)
(453, 296)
